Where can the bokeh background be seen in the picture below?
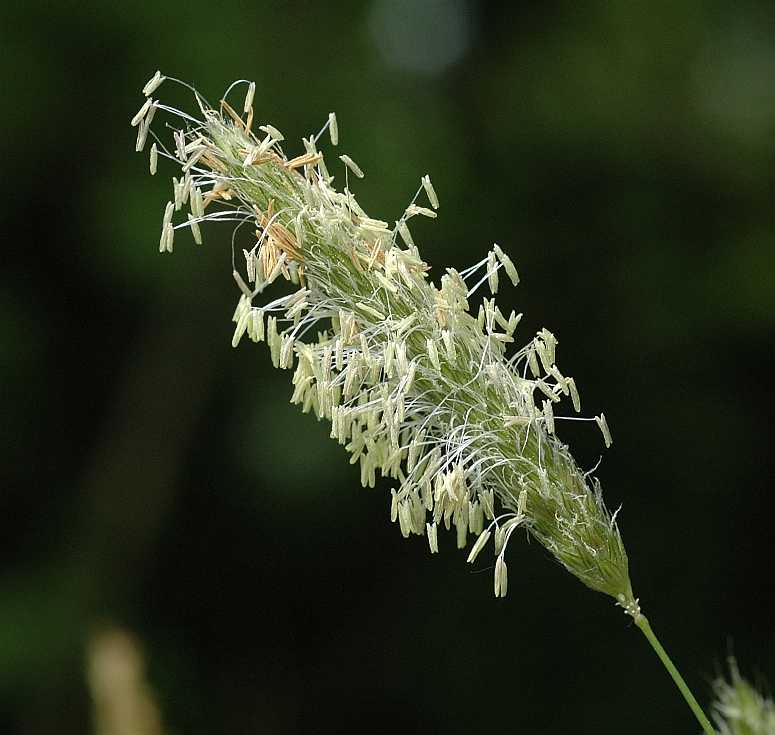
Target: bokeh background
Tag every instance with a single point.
(157, 480)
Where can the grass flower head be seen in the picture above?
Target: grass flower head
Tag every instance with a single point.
(739, 709)
(417, 387)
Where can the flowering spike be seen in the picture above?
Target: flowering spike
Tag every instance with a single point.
(416, 388)
(739, 708)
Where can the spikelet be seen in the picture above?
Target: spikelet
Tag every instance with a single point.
(416, 388)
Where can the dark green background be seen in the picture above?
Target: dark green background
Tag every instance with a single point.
(622, 152)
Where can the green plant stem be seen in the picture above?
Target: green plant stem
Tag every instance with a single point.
(642, 622)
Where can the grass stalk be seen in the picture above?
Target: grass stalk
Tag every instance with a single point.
(642, 622)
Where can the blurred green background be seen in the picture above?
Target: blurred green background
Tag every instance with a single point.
(154, 478)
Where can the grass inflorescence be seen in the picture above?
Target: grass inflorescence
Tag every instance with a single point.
(417, 388)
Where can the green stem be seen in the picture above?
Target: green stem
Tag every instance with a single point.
(643, 624)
